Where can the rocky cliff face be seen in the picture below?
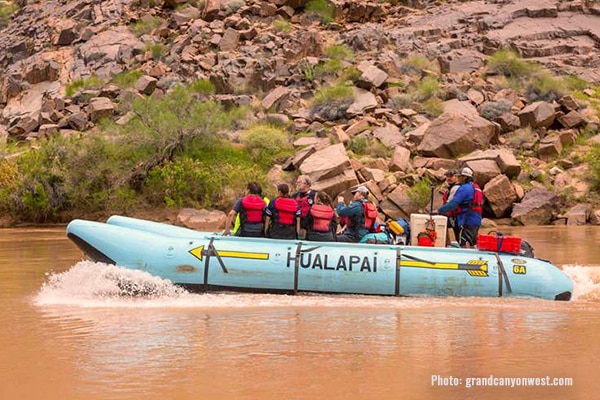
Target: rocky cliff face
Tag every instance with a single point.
(239, 46)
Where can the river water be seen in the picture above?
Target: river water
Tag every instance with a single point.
(68, 334)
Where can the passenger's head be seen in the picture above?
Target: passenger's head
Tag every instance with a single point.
(303, 183)
(283, 189)
(323, 198)
(254, 188)
(360, 192)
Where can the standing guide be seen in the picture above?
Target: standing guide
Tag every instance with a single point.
(466, 204)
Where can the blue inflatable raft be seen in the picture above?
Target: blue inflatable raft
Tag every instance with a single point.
(203, 261)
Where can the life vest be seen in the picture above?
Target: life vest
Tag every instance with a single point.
(252, 209)
(285, 210)
(370, 213)
(305, 200)
(427, 238)
(476, 204)
(321, 216)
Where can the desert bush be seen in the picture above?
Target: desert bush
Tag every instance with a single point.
(127, 79)
(322, 8)
(593, 159)
(419, 194)
(282, 25)
(493, 109)
(110, 170)
(508, 63)
(91, 82)
(7, 9)
(265, 142)
(365, 144)
(417, 64)
(145, 25)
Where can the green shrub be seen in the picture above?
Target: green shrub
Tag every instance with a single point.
(7, 9)
(593, 159)
(282, 25)
(127, 79)
(416, 65)
(92, 82)
(145, 25)
(156, 49)
(322, 8)
(419, 194)
(266, 142)
(369, 146)
(426, 88)
(339, 52)
(509, 63)
(339, 92)
(110, 170)
(433, 107)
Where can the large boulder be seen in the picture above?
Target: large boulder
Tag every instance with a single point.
(452, 134)
(500, 195)
(536, 208)
(326, 163)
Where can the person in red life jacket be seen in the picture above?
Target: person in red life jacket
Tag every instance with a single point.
(305, 197)
(251, 208)
(467, 205)
(361, 215)
(322, 219)
(448, 190)
(282, 215)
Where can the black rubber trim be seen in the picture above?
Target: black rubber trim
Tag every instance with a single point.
(92, 252)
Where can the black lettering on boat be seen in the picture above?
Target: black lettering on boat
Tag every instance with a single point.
(326, 263)
(305, 263)
(365, 266)
(317, 263)
(342, 264)
(354, 261)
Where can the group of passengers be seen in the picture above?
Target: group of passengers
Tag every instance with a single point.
(311, 215)
(307, 214)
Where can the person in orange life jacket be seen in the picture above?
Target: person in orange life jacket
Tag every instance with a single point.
(282, 215)
(322, 219)
(251, 208)
(468, 216)
(355, 229)
(448, 191)
(305, 197)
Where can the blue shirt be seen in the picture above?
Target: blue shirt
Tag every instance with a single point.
(355, 212)
(463, 198)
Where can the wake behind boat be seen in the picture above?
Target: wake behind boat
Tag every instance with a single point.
(204, 261)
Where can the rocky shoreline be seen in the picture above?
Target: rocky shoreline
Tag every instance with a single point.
(518, 154)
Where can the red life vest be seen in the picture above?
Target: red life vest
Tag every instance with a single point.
(427, 238)
(476, 204)
(285, 210)
(252, 209)
(305, 200)
(370, 212)
(321, 217)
